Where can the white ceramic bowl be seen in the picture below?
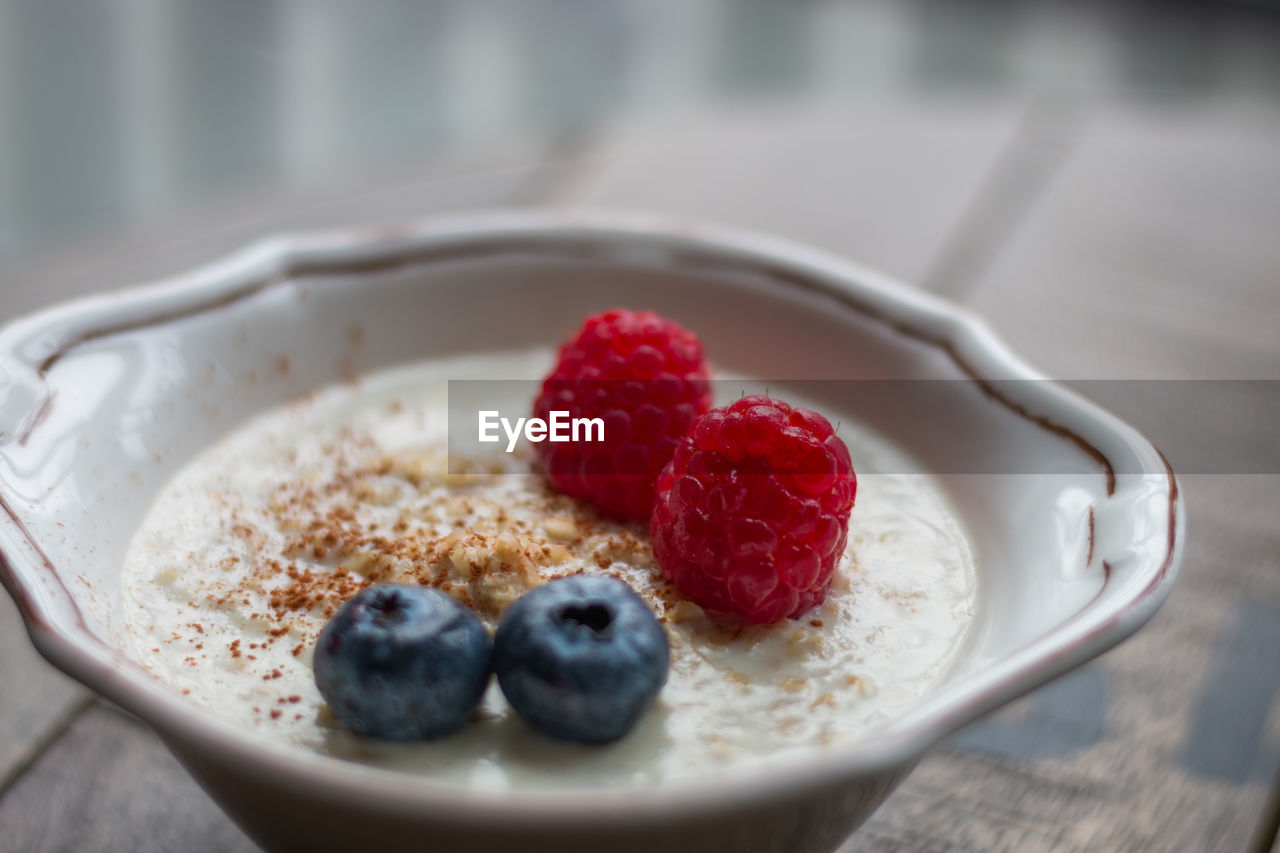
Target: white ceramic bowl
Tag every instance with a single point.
(1074, 517)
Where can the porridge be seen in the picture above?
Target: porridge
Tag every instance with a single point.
(251, 548)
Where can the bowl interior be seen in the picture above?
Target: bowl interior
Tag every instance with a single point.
(113, 396)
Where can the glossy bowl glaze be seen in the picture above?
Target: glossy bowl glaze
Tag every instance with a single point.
(1074, 518)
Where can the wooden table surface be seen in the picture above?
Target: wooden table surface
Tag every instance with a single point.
(1107, 242)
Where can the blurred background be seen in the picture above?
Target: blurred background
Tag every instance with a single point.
(1099, 180)
(119, 113)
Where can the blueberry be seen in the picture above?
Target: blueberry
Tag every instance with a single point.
(581, 658)
(401, 662)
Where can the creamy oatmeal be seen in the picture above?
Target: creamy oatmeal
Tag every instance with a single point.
(252, 547)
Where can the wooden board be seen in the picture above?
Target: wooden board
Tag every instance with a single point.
(886, 185)
(37, 702)
(520, 173)
(1152, 253)
(1055, 227)
(108, 784)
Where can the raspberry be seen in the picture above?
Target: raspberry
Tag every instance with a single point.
(645, 377)
(752, 512)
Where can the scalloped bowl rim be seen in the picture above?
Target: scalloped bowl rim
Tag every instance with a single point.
(58, 632)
